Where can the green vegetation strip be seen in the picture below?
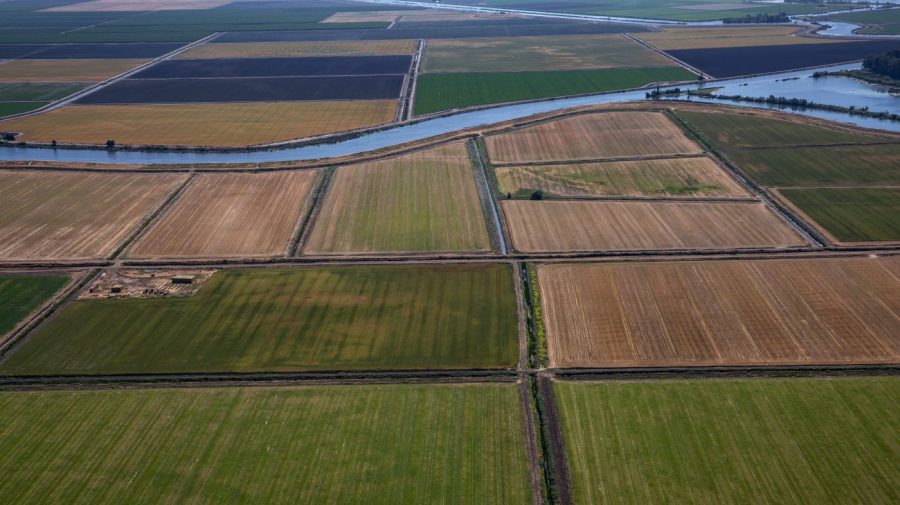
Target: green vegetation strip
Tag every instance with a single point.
(851, 215)
(291, 319)
(20, 295)
(9, 108)
(726, 130)
(437, 92)
(800, 441)
(384, 444)
(37, 92)
(878, 164)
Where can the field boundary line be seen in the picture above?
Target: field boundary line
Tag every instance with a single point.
(522, 312)
(151, 219)
(800, 227)
(312, 217)
(668, 56)
(723, 371)
(60, 301)
(486, 195)
(408, 95)
(308, 203)
(614, 159)
(535, 468)
(102, 84)
(556, 465)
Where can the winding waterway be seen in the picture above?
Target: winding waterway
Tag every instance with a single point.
(799, 84)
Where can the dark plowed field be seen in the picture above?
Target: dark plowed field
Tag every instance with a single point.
(278, 67)
(94, 51)
(734, 61)
(15, 50)
(248, 89)
(433, 32)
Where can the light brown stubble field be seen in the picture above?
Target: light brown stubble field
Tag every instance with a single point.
(592, 136)
(230, 215)
(562, 226)
(760, 312)
(207, 124)
(64, 70)
(703, 38)
(58, 215)
(424, 201)
(658, 177)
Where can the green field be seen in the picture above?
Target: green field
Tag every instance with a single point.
(760, 441)
(377, 444)
(851, 215)
(20, 295)
(878, 164)
(529, 54)
(742, 130)
(885, 22)
(37, 92)
(8, 108)
(437, 92)
(425, 201)
(286, 319)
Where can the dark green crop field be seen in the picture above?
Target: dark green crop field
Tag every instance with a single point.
(22, 294)
(851, 215)
(7, 108)
(372, 444)
(811, 166)
(437, 92)
(286, 319)
(798, 441)
(741, 130)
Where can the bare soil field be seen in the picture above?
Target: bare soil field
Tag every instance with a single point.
(292, 49)
(592, 136)
(561, 226)
(83, 70)
(230, 215)
(50, 215)
(761, 312)
(520, 54)
(701, 38)
(232, 124)
(426, 201)
(138, 5)
(658, 177)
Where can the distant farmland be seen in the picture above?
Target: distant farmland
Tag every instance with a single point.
(728, 36)
(293, 49)
(562, 226)
(437, 92)
(64, 70)
(762, 312)
(729, 130)
(657, 177)
(59, 215)
(375, 444)
(22, 294)
(425, 201)
(230, 215)
(803, 441)
(850, 214)
(734, 61)
(210, 124)
(592, 136)
(289, 319)
(277, 67)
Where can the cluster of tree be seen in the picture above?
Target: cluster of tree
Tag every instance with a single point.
(803, 103)
(781, 17)
(887, 64)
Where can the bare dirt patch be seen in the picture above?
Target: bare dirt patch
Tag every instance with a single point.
(134, 283)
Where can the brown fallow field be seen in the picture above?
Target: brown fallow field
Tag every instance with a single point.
(703, 38)
(294, 49)
(64, 70)
(672, 177)
(58, 215)
(592, 136)
(230, 215)
(598, 225)
(200, 124)
(736, 312)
